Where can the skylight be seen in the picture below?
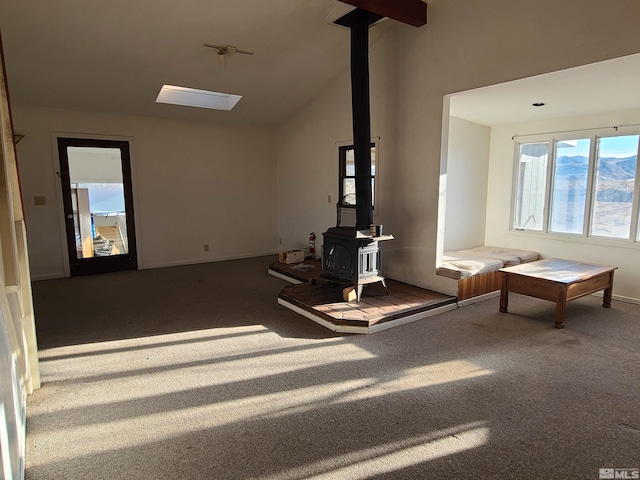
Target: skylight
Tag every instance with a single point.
(190, 97)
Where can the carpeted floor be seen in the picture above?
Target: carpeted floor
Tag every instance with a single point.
(195, 372)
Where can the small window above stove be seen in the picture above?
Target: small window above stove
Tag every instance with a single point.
(347, 176)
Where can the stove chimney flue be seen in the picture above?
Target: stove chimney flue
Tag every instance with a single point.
(359, 22)
(360, 101)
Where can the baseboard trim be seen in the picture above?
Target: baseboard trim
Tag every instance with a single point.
(479, 298)
(179, 263)
(48, 276)
(620, 298)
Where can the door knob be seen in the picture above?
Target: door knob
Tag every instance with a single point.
(70, 216)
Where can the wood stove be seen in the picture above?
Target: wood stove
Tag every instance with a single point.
(352, 256)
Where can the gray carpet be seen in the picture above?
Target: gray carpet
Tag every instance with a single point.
(195, 372)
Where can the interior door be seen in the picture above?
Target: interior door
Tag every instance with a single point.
(98, 205)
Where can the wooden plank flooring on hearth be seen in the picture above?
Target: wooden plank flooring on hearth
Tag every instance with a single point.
(376, 310)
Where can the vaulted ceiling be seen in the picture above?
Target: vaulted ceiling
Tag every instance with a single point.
(113, 57)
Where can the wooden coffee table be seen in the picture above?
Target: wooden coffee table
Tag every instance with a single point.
(558, 281)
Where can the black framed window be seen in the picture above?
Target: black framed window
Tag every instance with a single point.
(347, 174)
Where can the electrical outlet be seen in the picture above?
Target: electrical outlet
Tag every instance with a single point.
(206, 247)
(39, 200)
(328, 198)
(280, 240)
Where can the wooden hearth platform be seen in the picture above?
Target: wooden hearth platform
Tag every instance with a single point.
(376, 310)
(306, 272)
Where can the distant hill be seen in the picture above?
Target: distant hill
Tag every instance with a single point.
(610, 167)
(615, 179)
(614, 195)
(618, 168)
(577, 165)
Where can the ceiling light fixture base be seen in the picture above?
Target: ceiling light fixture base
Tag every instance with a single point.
(223, 50)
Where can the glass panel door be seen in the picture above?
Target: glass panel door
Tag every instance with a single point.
(96, 184)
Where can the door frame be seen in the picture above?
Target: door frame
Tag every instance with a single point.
(107, 264)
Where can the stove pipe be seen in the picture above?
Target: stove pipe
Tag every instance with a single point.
(359, 22)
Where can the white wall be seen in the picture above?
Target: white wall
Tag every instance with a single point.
(624, 255)
(467, 45)
(467, 170)
(194, 184)
(307, 170)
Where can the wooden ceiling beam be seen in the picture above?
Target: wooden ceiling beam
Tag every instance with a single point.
(412, 12)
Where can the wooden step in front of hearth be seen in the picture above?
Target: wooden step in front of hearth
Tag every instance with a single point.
(376, 310)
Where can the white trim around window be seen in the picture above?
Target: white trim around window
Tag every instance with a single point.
(580, 185)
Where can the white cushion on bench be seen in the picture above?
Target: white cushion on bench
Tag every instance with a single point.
(459, 265)
(508, 256)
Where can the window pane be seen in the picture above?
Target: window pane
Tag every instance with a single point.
(350, 164)
(568, 197)
(98, 200)
(532, 178)
(349, 191)
(105, 198)
(373, 161)
(373, 192)
(348, 169)
(614, 186)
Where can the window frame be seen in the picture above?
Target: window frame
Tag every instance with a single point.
(342, 175)
(516, 184)
(586, 220)
(552, 139)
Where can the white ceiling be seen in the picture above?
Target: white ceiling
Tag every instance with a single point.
(114, 56)
(612, 85)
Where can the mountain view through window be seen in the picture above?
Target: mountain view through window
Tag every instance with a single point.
(606, 201)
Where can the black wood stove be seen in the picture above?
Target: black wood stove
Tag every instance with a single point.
(352, 256)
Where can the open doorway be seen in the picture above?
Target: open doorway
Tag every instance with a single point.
(98, 205)
(484, 129)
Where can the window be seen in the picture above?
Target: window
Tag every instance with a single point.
(586, 184)
(531, 185)
(615, 180)
(347, 172)
(569, 192)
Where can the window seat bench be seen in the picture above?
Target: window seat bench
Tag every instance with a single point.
(477, 269)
